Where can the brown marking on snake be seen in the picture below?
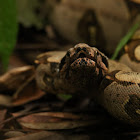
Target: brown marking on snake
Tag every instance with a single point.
(111, 77)
(132, 106)
(125, 83)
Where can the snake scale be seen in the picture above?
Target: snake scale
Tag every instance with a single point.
(86, 70)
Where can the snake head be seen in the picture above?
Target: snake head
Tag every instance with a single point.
(83, 66)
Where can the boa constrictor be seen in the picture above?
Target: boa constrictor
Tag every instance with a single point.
(86, 70)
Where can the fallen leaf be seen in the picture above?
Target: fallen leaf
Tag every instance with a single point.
(11, 134)
(19, 82)
(13, 124)
(29, 93)
(55, 121)
(14, 78)
(43, 135)
(5, 100)
(2, 116)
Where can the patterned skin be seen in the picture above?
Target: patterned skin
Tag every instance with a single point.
(84, 70)
(83, 67)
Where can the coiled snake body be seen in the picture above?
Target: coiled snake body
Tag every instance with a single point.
(86, 70)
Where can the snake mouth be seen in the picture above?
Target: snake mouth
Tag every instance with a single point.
(82, 55)
(83, 60)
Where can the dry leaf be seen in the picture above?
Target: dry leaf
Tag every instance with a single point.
(29, 93)
(11, 134)
(55, 121)
(2, 116)
(19, 82)
(14, 78)
(43, 135)
(5, 100)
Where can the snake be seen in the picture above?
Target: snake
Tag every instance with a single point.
(85, 70)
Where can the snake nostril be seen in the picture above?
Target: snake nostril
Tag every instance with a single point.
(78, 49)
(68, 53)
(84, 49)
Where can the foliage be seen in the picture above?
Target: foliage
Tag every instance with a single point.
(125, 39)
(8, 29)
(28, 13)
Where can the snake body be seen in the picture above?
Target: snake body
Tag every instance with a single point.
(86, 70)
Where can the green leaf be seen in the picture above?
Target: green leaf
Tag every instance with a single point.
(65, 96)
(125, 39)
(8, 29)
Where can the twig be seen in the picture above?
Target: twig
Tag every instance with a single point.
(22, 86)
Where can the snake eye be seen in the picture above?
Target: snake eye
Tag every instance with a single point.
(68, 53)
(105, 61)
(95, 54)
(62, 62)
